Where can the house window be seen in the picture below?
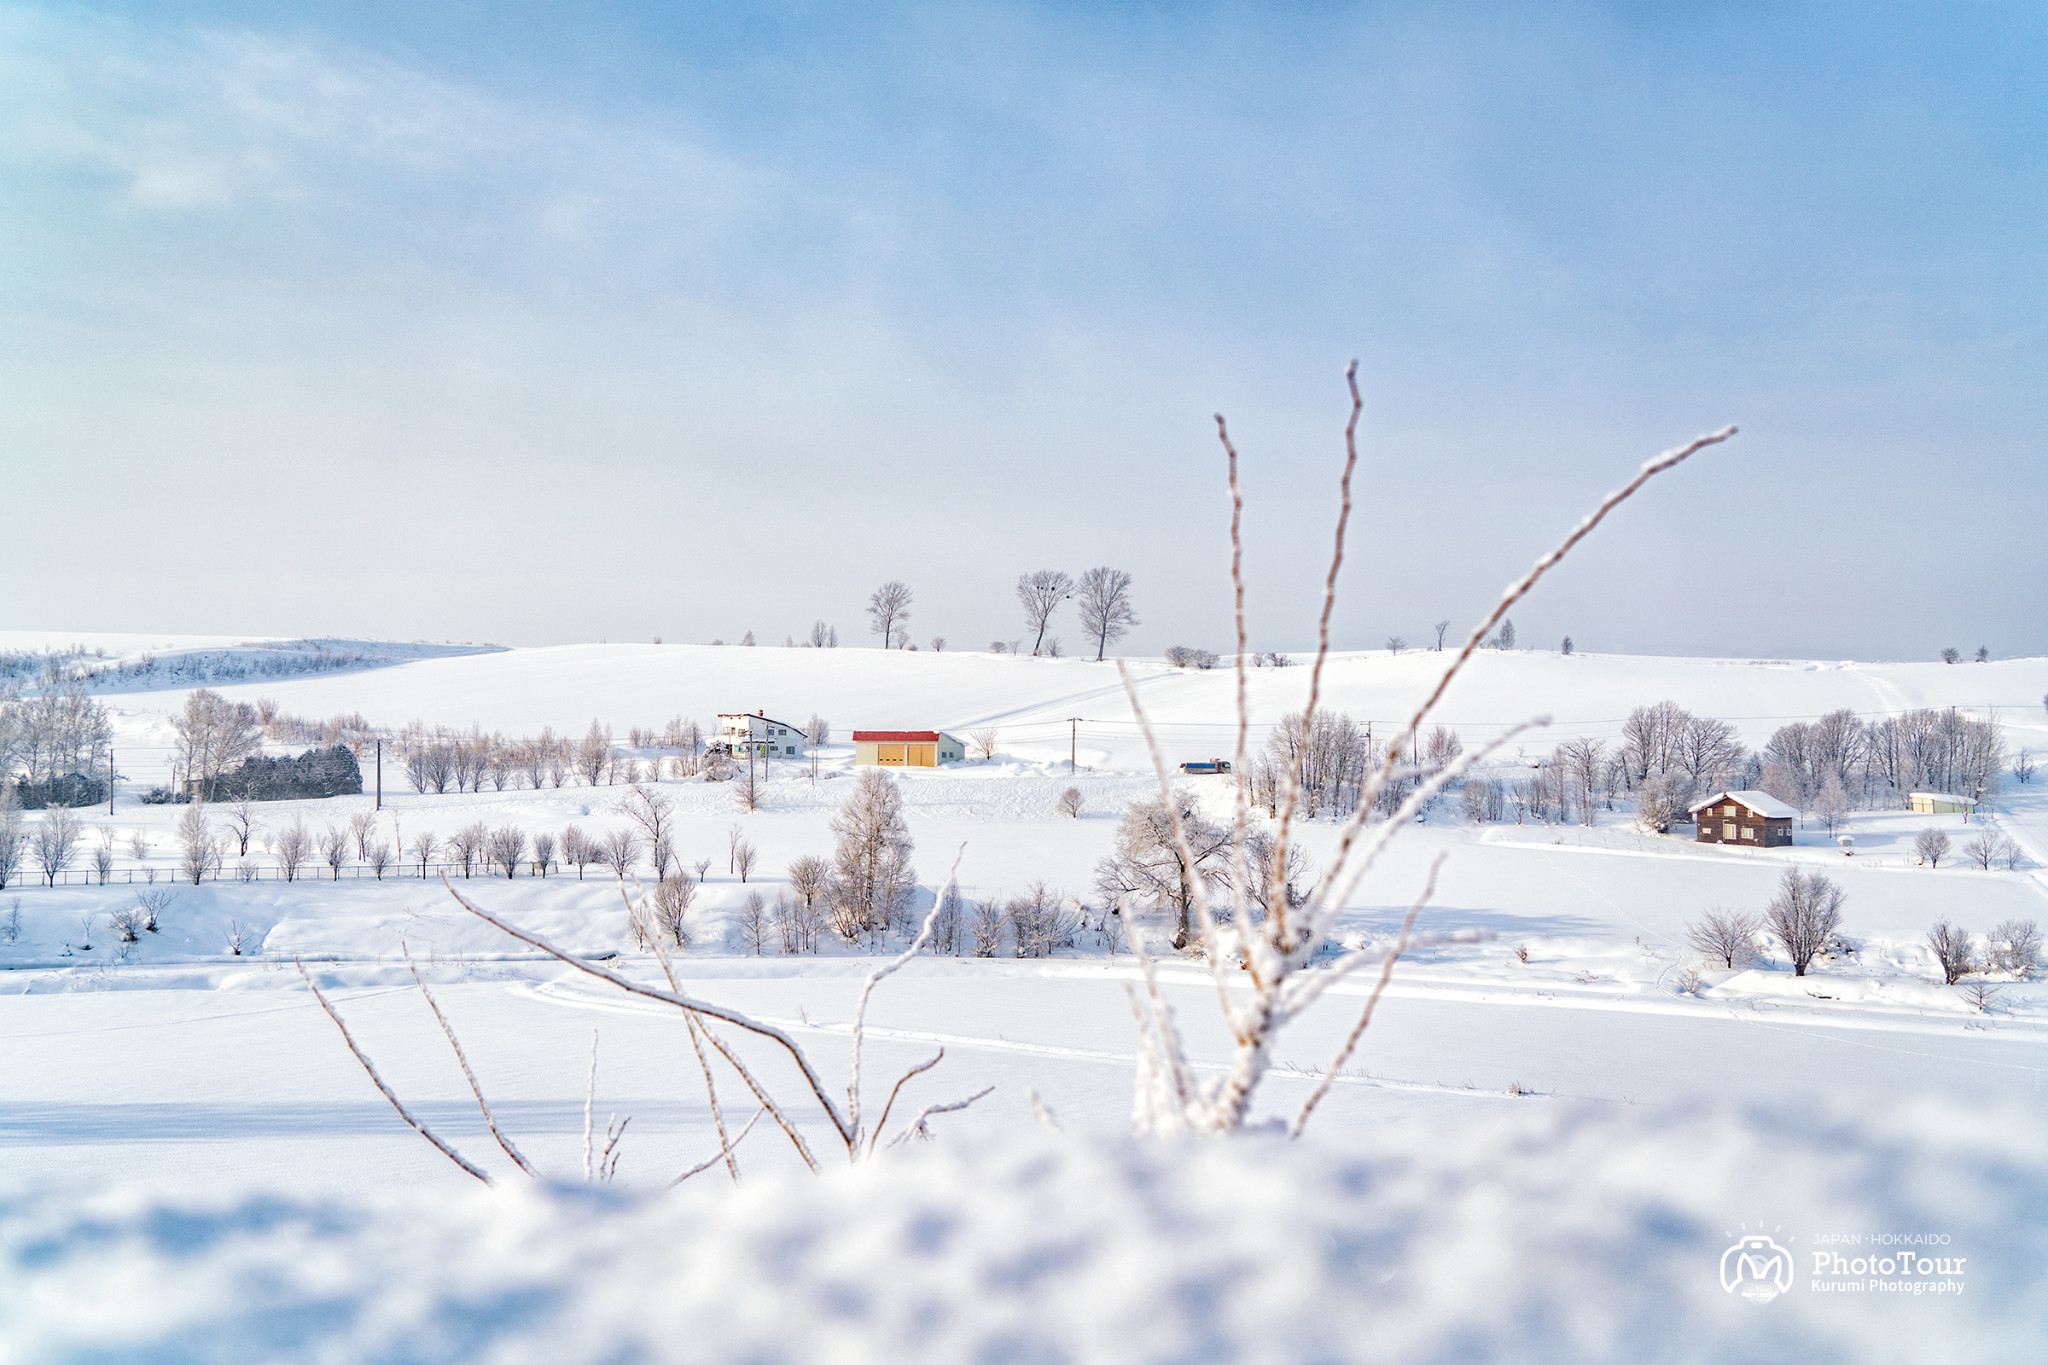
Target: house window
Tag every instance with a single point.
(1727, 831)
(1749, 832)
(789, 748)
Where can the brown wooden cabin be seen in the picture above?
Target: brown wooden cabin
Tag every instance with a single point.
(1751, 819)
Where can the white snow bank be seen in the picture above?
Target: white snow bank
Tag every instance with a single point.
(1570, 1234)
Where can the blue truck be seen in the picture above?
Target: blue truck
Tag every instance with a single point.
(1203, 766)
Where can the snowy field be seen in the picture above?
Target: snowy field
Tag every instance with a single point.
(1541, 1151)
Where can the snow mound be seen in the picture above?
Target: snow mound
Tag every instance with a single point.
(1571, 1234)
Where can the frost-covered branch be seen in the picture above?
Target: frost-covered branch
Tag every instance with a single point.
(724, 1153)
(386, 1090)
(1278, 945)
(490, 1119)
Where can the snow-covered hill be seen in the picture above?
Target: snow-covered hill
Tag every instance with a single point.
(1030, 701)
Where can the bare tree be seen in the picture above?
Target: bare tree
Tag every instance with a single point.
(1804, 915)
(662, 853)
(2023, 766)
(103, 854)
(818, 629)
(1165, 855)
(1931, 845)
(983, 742)
(672, 899)
(212, 734)
(195, 838)
(543, 851)
(1582, 763)
(378, 856)
(1396, 643)
(1440, 628)
(466, 846)
(153, 905)
(13, 838)
(744, 855)
(241, 819)
(594, 753)
(1707, 751)
(621, 847)
(424, 845)
(1265, 865)
(808, 878)
(651, 810)
(1831, 806)
(2015, 946)
(756, 928)
(986, 924)
(937, 644)
(293, 849)
(1729, 935)
(1951, 655)
(1952, 951)
(507, 849)
(1040, 922)
(362, 825)
(1107, 612)
(1504, 638)
(334, 845)
(1661, 802)
(872, 875)
(746, 787)
(1983, 848)
(1069, 804)
(1040, 594)
(54, 841)
(1566, 648)
(889, 610)
(818, 733)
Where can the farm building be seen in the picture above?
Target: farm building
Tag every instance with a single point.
(1941, 803)
(1757, 819)
(759, 734)
(905, 748)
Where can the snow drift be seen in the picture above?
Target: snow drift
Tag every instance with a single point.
(1578, 1233)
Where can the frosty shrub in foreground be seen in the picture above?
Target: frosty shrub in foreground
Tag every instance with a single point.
(1263, 931)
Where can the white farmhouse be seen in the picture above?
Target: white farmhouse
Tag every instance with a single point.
(759, 734)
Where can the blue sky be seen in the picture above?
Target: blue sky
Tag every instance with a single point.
(551, 323)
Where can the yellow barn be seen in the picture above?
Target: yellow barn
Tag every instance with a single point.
(905, 748)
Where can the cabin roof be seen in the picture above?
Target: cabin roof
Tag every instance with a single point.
(1763, 803)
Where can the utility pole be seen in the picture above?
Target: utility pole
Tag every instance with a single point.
(1073, 732)
(110, 779)
(380, 774)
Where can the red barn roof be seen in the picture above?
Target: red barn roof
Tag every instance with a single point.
(896, 736)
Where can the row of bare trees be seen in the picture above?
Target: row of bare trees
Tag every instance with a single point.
(1102, 597)
(440, 760)
(1804, 917)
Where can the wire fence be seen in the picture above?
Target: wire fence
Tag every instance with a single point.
(35, 880)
